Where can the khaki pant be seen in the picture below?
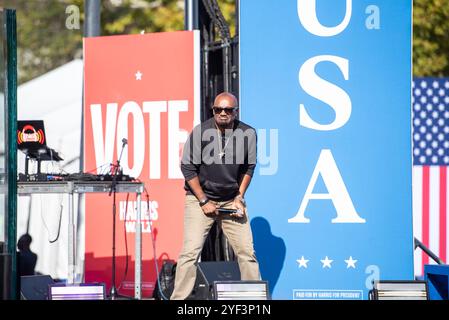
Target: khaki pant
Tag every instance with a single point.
(196, 228)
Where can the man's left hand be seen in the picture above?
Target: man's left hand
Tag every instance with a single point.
(241, 209)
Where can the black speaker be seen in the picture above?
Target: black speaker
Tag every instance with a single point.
(5, 276)
(211, 271)
(35, 287)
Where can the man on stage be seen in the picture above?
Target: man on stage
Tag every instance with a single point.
(218, 162)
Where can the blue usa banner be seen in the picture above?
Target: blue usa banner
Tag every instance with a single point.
(327, 84)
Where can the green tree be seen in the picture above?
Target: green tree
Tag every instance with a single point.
(45, 42)
(431, 38)
(133, 16)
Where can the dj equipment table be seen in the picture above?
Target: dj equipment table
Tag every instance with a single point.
(72, 187)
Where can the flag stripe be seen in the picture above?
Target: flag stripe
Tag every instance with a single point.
(443, 194)
(447, 220)
(417, 215)
(425, 214)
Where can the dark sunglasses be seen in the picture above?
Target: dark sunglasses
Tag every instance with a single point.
(218, 110)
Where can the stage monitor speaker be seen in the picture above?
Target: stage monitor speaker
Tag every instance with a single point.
(211, 271)
(241, 290)
(83, 291)
(399, 290)
(35, 287)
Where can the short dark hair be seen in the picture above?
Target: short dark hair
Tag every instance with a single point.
(24, 242)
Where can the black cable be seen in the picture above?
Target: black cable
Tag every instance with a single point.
(153, 244)
(59, 224)
(96, 169)
(154, 247)
(223, 24)
(214, 12)
(126, 244)
(209, 9)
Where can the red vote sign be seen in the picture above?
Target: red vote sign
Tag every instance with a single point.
(143, 90)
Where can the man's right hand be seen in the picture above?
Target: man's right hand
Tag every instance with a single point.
(210, 209)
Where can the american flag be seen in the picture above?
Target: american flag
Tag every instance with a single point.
(430, 167)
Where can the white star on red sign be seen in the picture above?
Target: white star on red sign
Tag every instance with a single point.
(139, 75)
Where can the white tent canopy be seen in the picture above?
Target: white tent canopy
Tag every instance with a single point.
(56, 98)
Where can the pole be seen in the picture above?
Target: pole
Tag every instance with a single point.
(190, 15)
(226, 63)
(92, 24)
(92, 28)
(10, 113)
